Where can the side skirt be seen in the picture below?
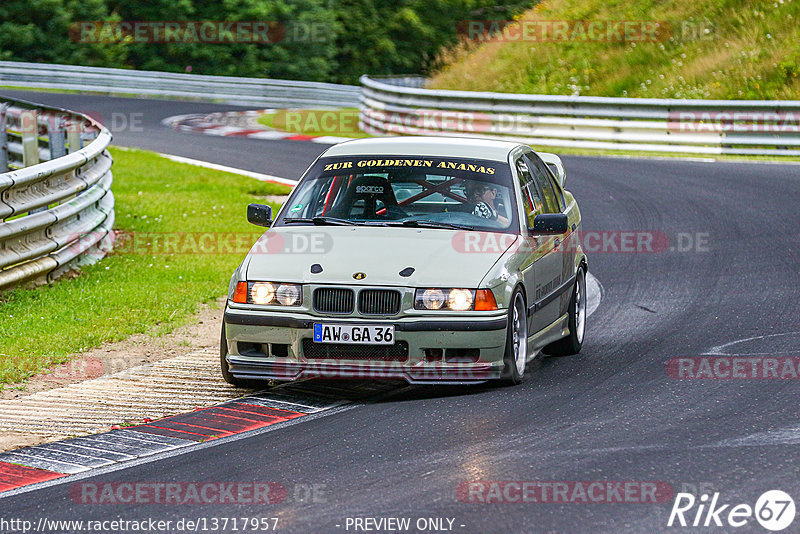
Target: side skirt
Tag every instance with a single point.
(556, 330)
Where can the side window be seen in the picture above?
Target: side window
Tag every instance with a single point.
(545, 186)
(311, 201)
(551, 175)
(558, 190)
(531, 200)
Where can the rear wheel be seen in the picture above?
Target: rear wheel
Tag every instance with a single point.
(577, 321)
(226, 374)
(516, 354)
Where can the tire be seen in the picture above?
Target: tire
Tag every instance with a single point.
(226, 374)
(516, 353)
(577, 321)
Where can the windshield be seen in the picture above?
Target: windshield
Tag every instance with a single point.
(452, 193)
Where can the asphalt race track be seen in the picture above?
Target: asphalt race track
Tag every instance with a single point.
(611, 413)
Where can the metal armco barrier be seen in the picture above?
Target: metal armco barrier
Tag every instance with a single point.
(401, 106)
(56, 205)
(248, 91)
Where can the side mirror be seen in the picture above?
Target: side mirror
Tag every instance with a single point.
(259, 214)
(549, 223)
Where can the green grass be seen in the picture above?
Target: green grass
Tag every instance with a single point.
(39, 89)
(135, 290)
(750, 50)
(342, 122)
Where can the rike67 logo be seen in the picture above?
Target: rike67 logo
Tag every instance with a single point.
(774, 510)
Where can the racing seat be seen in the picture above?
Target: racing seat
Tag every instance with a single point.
(362, 198)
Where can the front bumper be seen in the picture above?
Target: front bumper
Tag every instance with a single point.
(254, 336)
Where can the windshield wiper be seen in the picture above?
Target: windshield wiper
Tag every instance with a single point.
(433, 224)
(334, 221)
(321, 221)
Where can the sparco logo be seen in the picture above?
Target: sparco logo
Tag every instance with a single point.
(774, 510)
(369, 189)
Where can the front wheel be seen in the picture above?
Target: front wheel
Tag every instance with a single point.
(516, 354)
(577, 321)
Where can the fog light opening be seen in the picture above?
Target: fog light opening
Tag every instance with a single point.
(279, 350)
(433, 355)
(462, 355)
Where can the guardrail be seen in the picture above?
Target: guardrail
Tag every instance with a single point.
(248, 91)
(403, 106)
(56, 204)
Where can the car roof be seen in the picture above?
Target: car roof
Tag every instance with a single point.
(458, 147)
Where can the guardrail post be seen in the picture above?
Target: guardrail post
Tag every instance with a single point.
(30, 141)
(74, 134)
(3, 138)
(29, 130)
(56, 138)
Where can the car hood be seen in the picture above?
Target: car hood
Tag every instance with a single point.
(439, 258)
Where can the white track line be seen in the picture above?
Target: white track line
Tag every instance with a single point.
(594, 294)
(789, 435)
(232, 170)
(722, 350)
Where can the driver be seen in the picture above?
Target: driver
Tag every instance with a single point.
(483, 195)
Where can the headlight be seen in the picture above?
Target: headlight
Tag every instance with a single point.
(288, 294)
(460, 299)
(455, 299)
(444, 299)
(262, 293)
(433, 299)
(272, 293)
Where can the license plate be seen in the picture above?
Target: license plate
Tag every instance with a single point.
(354, 334)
